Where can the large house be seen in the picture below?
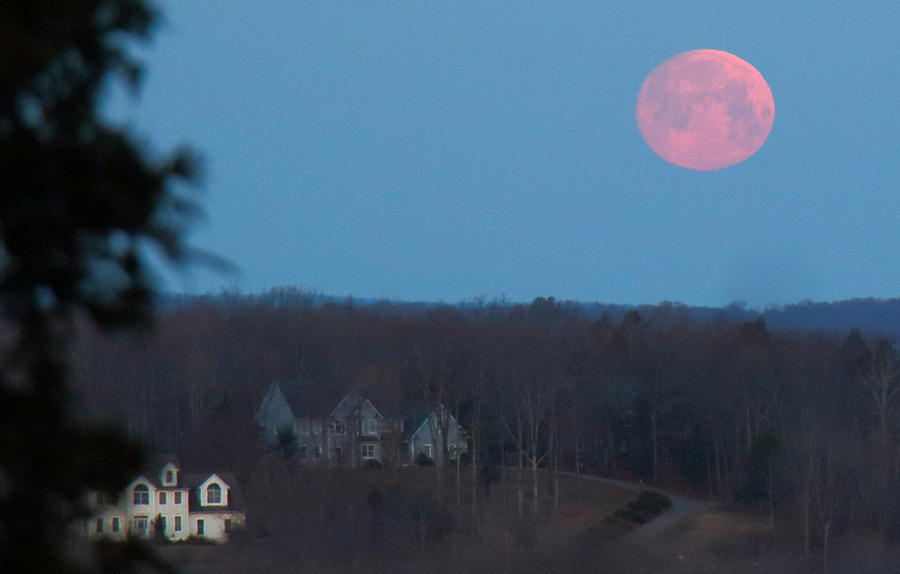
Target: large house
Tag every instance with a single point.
(168, 502)
(355, 431)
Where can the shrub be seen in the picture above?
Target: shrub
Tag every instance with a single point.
(423, 459)
(647, 506)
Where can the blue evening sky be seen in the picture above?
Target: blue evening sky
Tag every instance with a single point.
(445, 151)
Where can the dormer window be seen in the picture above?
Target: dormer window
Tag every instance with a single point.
(141, 494)
(169, 475)
(213, 494)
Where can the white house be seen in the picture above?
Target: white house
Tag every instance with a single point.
(166, 501)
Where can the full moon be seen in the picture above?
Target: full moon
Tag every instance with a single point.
(705, 110)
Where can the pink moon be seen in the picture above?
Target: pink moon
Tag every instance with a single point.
(705, 110)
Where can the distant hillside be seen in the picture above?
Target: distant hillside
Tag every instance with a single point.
(868, 314)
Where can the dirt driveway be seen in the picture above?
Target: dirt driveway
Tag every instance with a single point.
(682, 508)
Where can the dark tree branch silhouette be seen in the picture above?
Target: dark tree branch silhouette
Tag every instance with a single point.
(81, 202)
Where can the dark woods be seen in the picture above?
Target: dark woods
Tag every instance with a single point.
(799, 428)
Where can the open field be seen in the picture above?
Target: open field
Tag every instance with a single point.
(495, 542)
(579, 536)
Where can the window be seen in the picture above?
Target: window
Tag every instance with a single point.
(317, 452)
(140, 524)
(367, 450)
(141, 494)
(170, 476)
(227, 525)
(162, 497)
(177, 524)
(426, 448)
(99, 525)
(116, 524)
(371, 426)
(453, 451)
(214, 494)
(162, 524)
(177, 497)
(303, 452)
(201, 527)
(337, 427)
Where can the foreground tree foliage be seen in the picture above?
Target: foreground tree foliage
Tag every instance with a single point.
(80, 202)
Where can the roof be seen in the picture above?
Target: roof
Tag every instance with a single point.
(418, 414)
(153, 468)
(235, 496)
(350, 404)
(274, 405)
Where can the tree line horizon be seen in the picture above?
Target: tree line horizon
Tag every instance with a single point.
(872, 314)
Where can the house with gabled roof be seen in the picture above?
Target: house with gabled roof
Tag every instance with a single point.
(355, 426)
(293, 421)
(355, 430)
(427, 432)
(165, 501)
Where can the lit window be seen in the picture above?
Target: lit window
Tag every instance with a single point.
(201, 527)
(213, 494)
(178, 497)
(177, 524)
(162, 497)
(141, 494)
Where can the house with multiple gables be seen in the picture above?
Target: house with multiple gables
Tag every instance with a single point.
(166, 501)
(355, 430)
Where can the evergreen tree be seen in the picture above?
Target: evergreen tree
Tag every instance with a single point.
(80, 202)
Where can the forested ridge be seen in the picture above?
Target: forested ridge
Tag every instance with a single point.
(798, 427)
(870, 314)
